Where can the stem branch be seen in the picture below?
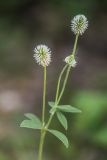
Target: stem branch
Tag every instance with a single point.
(59, 80)
(64, 84)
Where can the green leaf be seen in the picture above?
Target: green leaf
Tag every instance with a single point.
(64, 108)
(62, 120)
(33, 122)
(69, 109)
(51, 104)
(29, 124)
(53, 107)
(60, 136)
(33, 118)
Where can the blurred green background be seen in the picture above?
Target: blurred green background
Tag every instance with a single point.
(23, 25)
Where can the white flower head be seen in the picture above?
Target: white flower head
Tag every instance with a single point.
(79, 24)
(42, 55)
(71, 60)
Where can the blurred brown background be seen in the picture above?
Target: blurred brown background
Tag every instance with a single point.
(25, 24)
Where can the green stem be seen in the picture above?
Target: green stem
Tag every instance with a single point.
(64, 84)
(68, 70)
(59, 80)
(44, 97)
(57, 102)
(75, 44)
(57, 92)
(42, 137)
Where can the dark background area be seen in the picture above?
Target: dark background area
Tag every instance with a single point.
(25, 24)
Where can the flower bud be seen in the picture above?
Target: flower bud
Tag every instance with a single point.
(70, 60)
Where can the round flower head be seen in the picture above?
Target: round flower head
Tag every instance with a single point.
(79, 24)
(70, 60)
(42, 55)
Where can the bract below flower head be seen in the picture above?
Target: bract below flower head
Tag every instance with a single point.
(79, 24)
(42, 55)
(70, 60)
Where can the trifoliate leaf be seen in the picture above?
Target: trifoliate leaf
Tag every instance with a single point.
(62, 119)
(33, 122)
(60, 136)
(69, 109)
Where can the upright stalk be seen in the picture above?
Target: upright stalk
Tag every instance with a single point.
(43, 118)
(44, 97)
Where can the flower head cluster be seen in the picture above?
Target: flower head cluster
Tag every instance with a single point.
(42, 55)
(79, 24)
(70, 60)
